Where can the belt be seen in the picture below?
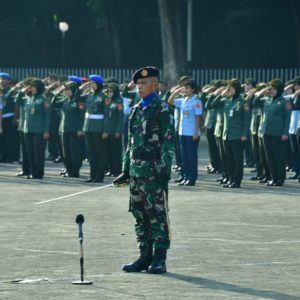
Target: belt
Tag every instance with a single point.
(94, 116)
(146, 155)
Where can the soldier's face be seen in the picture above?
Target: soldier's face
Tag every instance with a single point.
(296, 87)
(68, 93)
(188, 91)
(33, 90)
(248, 87)
(146, 86)
(273, 92)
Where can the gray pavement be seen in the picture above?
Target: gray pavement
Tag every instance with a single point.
(226, 244)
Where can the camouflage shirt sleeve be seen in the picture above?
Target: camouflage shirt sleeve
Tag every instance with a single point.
(167, 140)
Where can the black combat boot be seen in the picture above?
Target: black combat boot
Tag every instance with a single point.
(158, 265)
(142, 263)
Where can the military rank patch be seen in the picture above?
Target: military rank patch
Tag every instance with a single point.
(46, 104)
(198, 105)
(288, 105)
(246, 107)
(107, 101)
(81, 106)
(120, 107)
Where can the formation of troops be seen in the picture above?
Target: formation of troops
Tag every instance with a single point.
(94, 118)
(246, 123)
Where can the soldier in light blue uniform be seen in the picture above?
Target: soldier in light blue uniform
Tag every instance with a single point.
(189, 130)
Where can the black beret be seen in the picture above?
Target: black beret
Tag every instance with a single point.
(144, 73)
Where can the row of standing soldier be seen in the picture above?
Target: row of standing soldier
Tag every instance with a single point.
(86, 111)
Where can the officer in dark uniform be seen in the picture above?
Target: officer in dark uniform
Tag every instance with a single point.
(147, 166)
(95, 137)
(275, 122)
(113, 124)
(70, 129)
(36, 128)
(235, 130)
(9, 138)
(19, 101)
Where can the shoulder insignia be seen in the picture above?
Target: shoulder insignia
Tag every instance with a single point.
(120, 107)
(198, 105)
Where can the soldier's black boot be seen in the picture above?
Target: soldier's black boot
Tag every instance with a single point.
(142, 263)
(158, 265)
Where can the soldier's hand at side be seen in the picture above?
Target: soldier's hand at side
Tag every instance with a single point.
(244, 138)
(104, 135)
(46, 136)
(284, 138)
(122, 179)
(1, 130)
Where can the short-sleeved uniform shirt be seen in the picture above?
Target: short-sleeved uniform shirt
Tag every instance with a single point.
(190, 108)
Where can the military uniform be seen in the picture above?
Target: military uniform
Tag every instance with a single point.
(113, 123)
(147, 162)
(236, 125)
(36, 124)
(93, 129)
(274, 124)
(19, 101)
(149, 155)
(72, 119)
(210, 122)
(9, 140)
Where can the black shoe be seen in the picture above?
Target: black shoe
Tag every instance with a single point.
(141, 264)
(58, 160)
(97, 180)
(179, 179)
(226, 185)
(158, 265)
(212, 171)
(21, 174)
(253, 171)
(220, 179)
(254, 177)
(263, 180)
(294, 177)
(279, 183)
(89, 180)
(36, 177)
(270, 183)
(181, 183)
(234, 185)
(189, 183)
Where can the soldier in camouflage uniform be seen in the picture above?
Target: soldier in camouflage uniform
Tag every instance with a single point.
(147, 165)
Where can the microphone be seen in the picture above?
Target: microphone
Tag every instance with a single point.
(80, 221)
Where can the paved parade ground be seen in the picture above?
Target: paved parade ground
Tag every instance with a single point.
(226, 243)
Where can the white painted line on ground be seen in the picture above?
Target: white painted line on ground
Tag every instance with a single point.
(75, 194)
(46, 251)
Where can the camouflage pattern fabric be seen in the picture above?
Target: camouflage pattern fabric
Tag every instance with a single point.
(147, 204)
(147, 160)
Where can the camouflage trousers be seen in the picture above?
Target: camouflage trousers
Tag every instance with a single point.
(148, 203)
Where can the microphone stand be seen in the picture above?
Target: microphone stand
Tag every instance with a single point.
(80, 221)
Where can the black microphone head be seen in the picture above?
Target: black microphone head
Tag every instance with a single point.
(79, 219)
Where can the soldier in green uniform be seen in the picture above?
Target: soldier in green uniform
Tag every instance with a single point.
(36, 128)
(70, 128)
(113, 124)
(275, 122)
(93, 127)
(22, 93)
(235, 130)
(147, 165)
(9, 138)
